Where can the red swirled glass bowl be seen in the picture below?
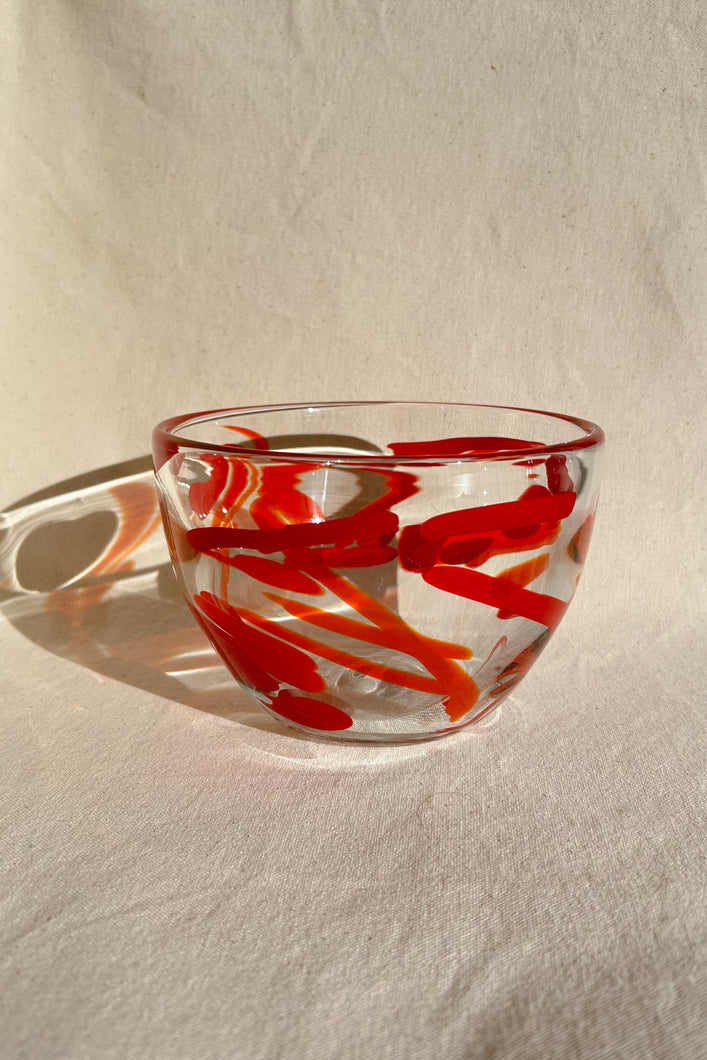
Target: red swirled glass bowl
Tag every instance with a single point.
(381, 571)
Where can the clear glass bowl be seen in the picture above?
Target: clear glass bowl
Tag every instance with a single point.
(383, 571)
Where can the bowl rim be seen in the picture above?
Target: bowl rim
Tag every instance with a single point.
(165, 442)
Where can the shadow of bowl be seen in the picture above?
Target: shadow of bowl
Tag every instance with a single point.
(85, 574)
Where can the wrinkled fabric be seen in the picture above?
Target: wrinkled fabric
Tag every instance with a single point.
(230, 204)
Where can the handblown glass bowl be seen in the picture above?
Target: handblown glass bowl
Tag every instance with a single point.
(381, 571)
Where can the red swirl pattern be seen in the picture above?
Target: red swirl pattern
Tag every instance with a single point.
(251, 506)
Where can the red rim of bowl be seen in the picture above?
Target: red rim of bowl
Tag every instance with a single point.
(166, 442)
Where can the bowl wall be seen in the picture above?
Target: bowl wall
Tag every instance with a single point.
(379, 571)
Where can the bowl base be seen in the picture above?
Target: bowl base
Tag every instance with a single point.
(486, 721)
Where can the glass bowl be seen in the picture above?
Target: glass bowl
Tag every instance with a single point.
(384, 570)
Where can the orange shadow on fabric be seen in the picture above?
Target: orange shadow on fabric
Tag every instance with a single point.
(85, 574)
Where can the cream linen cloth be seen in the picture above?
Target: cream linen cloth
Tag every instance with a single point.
(218, 203)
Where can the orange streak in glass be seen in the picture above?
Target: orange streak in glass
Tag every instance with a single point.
(245, 431)
(235, 501)
(416, 682)
(460, 689)
(524, 573)
(364, 631)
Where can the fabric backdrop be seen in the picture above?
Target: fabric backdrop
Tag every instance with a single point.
(269, 200)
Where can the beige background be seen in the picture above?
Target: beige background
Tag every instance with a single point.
(232, 203)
